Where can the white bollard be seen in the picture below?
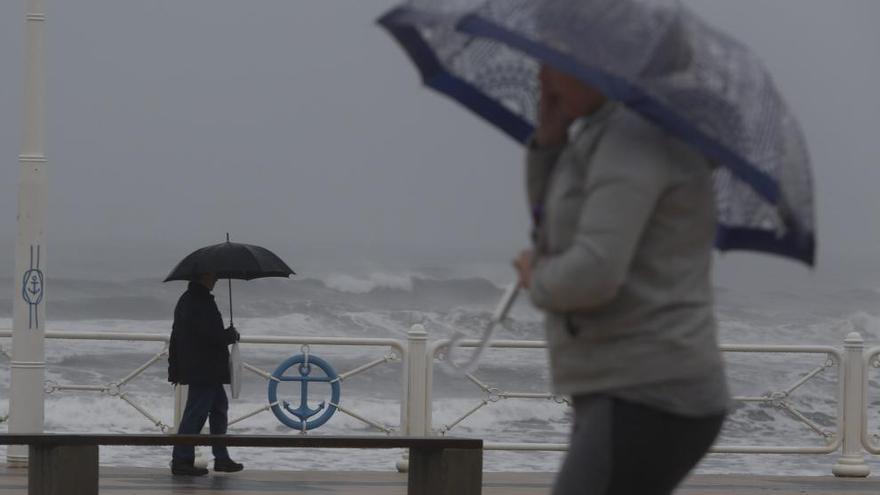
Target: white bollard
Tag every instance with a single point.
(416, 405)
(851, 463)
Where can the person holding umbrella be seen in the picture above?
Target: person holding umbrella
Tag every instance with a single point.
(198, 356)
(621, 266)
(649, 135)
(198, 353)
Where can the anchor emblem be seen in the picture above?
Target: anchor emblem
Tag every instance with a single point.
(32, 289)
(303, 412)
(304, 364)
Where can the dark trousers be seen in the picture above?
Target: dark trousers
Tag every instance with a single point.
(621, 448)
(204, 402)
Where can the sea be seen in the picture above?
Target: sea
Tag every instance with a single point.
(386, 305)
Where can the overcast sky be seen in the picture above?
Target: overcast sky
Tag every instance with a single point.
(301, 126)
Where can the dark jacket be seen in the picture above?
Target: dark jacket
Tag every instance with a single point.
(198, 352)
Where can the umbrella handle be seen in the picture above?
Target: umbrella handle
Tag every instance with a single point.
(231, 323)
(230, 303)
(498, 317)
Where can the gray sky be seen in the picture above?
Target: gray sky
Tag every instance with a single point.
(301, 126)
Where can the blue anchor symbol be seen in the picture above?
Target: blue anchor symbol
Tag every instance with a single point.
(35, 283)
(303, 412)
(32, 288)
(304, 364)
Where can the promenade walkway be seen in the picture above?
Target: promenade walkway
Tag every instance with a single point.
(143, 481)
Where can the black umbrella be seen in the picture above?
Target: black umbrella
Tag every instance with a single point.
(231, 260)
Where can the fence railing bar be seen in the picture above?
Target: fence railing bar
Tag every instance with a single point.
(156, 337)
(252, 413)
(780, 349)
(525, 395)
(366, 367)
(476, 381)
(358, 417)
(805, 379)
(258, 371)
(82, 388)
(762, 449)
(143, 367)
(159, 424)
(329, 341)
(803, 419)
(497, 344)
(455, 423)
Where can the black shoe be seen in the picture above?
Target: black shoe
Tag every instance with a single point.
(227, 466)
(187, 470)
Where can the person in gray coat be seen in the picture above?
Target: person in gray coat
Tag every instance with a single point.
(624, 228)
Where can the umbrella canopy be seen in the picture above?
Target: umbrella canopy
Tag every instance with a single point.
(231, 260)
(655, 56)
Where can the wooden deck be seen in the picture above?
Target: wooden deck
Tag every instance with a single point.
(142, 481)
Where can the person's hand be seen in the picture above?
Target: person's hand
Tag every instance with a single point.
(523, 265)
(553, 124)
(234, 336)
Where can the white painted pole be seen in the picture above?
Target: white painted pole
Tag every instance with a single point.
(416, 394)
(851, 463)
(29, 307)
(415, 398)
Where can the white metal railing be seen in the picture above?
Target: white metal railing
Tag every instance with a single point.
(5, 354)
(781, 400)
(118, 388)
(396, 352)
(850, 434)
(492, 394)
(777, 399)
(113, 388)
(871, 441)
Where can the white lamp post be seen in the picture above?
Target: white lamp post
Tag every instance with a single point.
(28, 332)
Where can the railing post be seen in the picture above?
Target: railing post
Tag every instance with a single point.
(415, 398)
(851, 407)
(416, 372)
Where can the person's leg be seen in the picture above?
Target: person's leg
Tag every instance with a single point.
(587, 466)
(198, 404)
(653, 451)
(218, 423)
(218, 419)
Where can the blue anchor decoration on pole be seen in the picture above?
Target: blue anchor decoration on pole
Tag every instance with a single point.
(32, 289)
(304, 364)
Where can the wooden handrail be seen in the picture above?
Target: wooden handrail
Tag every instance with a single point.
(311, 441)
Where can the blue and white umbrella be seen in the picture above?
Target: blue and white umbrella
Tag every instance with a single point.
(655, 56)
